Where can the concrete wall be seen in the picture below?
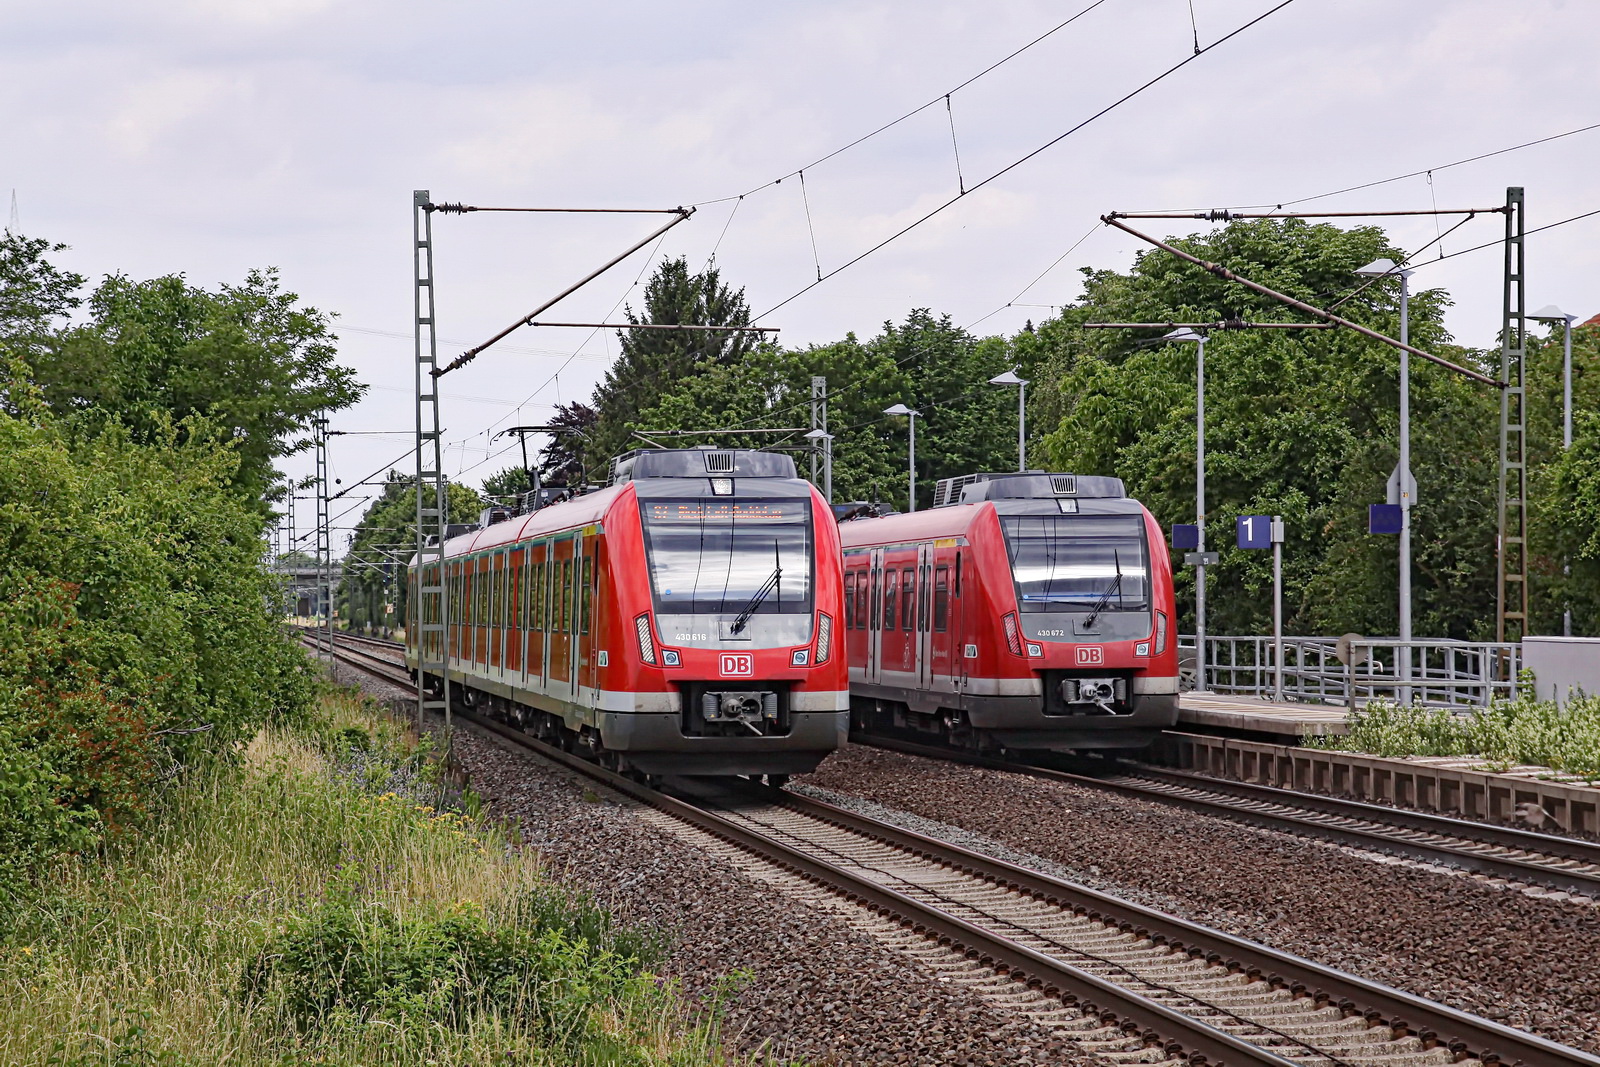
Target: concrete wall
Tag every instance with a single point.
(1562, 664)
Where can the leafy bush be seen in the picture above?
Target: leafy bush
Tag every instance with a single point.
(352, 962)
(1520, 731)
(135, 624)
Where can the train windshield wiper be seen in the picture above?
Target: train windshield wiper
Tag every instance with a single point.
(1105, 598)
(761, 594)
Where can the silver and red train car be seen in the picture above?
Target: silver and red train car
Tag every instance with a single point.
(681, 621)
(1029, 611)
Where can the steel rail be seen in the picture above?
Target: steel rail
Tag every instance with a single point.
(1397, 1009)
(1075, 987)
(1508, 837)
(1403, 1013)
(1388, 830)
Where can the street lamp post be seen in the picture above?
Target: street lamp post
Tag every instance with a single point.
(911, 459)
(1010, 378)
(1199, 339)
(1551, 313)
(1405, 484)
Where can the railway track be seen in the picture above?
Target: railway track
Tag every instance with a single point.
(1559, 864)
(1126, 982)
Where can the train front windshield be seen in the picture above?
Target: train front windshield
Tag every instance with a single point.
(726, 557)
(1073, 562)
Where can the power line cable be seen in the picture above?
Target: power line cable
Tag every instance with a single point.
(1408, 174)
(914, 111)
(1017, 163)
(1040, 277)
(1501, 241)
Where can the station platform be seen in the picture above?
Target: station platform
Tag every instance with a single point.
(1252, 716)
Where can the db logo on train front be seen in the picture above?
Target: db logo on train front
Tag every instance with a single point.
(738, 665)
(1091, 655)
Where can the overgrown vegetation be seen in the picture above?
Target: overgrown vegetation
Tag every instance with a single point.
(1507, 732)
(136, 452)
(324, 899)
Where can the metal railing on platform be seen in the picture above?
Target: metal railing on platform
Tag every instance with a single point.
(1316, 670)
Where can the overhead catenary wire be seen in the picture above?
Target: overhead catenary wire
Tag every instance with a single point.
(1094, 229)
(1300, 305)
(1025, 158)
(1501, 241)
(914, 111)
(1418, 173)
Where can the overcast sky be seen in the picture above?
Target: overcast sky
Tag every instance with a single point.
(213, 136)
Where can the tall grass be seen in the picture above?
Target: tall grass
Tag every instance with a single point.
(309, 904)
(1507, 732)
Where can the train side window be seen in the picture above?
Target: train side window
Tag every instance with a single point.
(587, 602)
(888, 604)
(861, 600)
(941, 599)
(850, 602)
(908, 597)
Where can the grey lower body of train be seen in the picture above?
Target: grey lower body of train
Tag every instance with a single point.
(1015, 713)
(654, 733)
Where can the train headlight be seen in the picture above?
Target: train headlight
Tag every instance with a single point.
(1035, 650)
(1013, 635)
(647, 644)
(670, 658)
(1161, 632)
(824, 637)
(800, 657)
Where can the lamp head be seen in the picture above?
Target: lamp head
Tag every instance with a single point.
(1551, 313)
(819, 435)
(1183, 333)
(1378, 268)
(898, 409)
(1008, 378)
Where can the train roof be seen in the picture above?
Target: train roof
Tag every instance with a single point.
(1025, 493)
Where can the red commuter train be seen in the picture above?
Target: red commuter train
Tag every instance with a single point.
(1030, 611)
(678, 622)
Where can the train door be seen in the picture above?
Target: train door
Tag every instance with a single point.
(588, 604)
(560, 677)
(480, 619)
(516, 608)
(956, 638)
(941, 659)
(924, 649)
(497, 609)
(875, 615)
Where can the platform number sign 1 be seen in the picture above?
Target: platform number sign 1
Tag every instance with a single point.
(1254, 531)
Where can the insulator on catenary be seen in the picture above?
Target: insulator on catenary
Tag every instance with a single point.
(453, 209)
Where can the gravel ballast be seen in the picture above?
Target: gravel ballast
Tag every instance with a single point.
(805, 985)
(1497, 952)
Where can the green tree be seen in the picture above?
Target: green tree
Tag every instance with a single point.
(34, 294)
(1298, 423)
(1562, 489)
(653, 362)
(372, 572)
(250, 358)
